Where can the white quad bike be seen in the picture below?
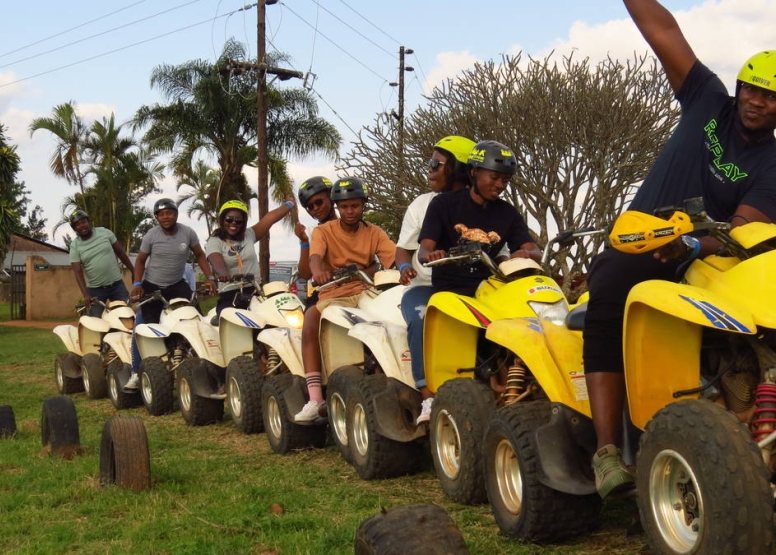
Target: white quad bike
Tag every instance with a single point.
(182, 342)
(98, 349)
(247, 360)
(285, 391)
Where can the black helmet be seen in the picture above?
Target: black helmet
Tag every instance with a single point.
(164, 203)
(76, 217)
(312, 187)
(348, 188)
(492, 155)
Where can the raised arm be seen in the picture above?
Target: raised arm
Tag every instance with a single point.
(661, 31)
(261, 228)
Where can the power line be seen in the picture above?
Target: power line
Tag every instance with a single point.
(372, 24)
(115, 50)
(71, 29)
(359, 33)
(335, 112)
(285, 5)
(100, 34)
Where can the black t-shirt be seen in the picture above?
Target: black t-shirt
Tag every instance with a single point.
(707, 157)
(449, 209)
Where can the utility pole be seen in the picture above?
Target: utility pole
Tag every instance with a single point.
(400, 116)
(261, 123)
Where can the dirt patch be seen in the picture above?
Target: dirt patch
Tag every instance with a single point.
(41, 324)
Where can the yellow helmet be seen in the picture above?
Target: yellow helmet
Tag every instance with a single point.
(233, 205)
(760, 70)
(459, 147)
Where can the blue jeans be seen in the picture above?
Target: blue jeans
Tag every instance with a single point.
(135, 350)
(413, 308)
(116, 291)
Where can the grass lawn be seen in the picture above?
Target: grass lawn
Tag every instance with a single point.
(212, 487)
(5, 312)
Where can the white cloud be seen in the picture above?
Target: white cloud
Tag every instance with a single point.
(449, 64)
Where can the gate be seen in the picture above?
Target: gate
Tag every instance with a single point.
(18, 292)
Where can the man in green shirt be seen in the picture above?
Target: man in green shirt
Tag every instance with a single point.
(93, 254)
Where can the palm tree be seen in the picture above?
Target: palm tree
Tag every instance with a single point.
(70, 132)
(213, 112)
(201, 183)
(10, 192)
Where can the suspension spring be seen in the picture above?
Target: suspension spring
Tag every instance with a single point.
(764, 420)
(273, 361)
(515, 383)
(177, 357)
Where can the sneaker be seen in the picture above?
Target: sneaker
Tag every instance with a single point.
(425, 411)
(611, 475)
(133, 382)
(308, 413)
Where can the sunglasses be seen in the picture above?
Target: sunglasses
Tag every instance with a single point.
(434, 164)
(231, 220)
(314, 204)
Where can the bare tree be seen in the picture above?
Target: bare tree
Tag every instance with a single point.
(584, 135)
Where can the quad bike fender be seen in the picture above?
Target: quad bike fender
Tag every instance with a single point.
(90, 333)
(552, 353)
(338, 348)
(203, 338)
(295, 397)
(151, 340)
(467, 310)
(287, 343)
(205, 377)
(121, 343)
(662, 341)
(236, 330)
(69, 336)
(448, 345)
(397, 406)
(567, 442)
(386, 306)
(387, 342)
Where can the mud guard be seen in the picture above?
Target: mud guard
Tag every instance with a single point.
(566, 446)
(397, 407)
(69, 336)
(205, 378)
(662, 333)
(296, 398)
(236, 330)
(387, 342)
(121, 343)
(203, 338)
(287, 343)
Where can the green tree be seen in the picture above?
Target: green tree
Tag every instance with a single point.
(11, 192)
(70, 134)
(200, 185)
(212, 114)
(584, 136)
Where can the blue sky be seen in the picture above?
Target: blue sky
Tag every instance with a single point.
(106, 64)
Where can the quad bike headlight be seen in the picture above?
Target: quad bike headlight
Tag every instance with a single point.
(554, 312)
(294, 318)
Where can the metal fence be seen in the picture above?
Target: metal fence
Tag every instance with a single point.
(19, 292)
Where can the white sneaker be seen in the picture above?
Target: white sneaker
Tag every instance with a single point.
(308, 413)
(425, 411)
(133, 382)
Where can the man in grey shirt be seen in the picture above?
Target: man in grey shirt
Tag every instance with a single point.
(160, 266)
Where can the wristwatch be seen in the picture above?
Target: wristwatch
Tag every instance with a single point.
(693, 246)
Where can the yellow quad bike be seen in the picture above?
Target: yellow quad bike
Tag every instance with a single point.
(700, 372)
(469, 374)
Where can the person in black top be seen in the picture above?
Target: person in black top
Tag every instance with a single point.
(723, 150)
(493, 165)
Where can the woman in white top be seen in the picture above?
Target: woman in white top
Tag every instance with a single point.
(230, 249)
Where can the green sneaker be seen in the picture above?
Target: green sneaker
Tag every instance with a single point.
(611, 476)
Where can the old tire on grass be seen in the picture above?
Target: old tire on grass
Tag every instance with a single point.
(93, 374)
(426, 529)
(157, 386)
(196, 410)
(523, 506)
(375, 456)
(118, 373)
(243, 393)
(124, 456)
(459, 416)
(336, 400)
(64, 364)
(702, 483)
(283, 434)
(59, 427)
(7, 422)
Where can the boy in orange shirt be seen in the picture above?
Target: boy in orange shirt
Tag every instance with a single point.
(336, 244)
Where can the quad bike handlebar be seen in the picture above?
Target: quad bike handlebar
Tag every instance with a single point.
(344, 274)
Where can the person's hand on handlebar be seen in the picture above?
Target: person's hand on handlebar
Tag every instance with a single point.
(137, 292)
(435, 255)
(322, 277)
